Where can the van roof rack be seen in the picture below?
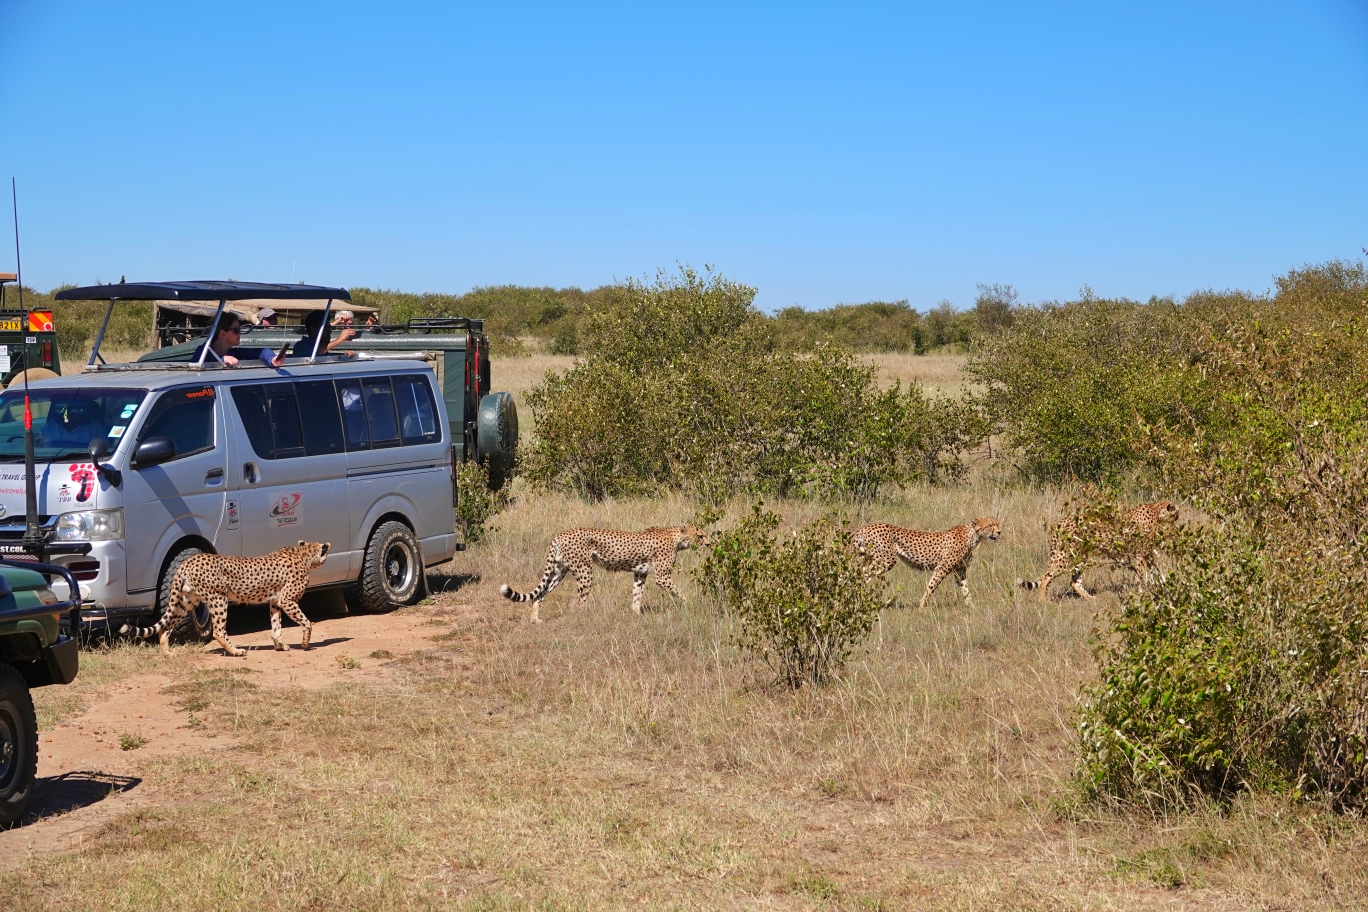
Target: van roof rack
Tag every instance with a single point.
(200, 290)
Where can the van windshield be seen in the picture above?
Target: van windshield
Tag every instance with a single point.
(65, 421)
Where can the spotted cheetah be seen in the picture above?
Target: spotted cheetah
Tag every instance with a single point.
(279, 578)
(940, 552)
(1141, 528)
(577, 550)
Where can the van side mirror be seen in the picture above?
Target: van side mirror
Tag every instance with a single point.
(99, 449)
(153, 451)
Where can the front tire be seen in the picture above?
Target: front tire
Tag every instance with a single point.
(18, 746)
(391, 572)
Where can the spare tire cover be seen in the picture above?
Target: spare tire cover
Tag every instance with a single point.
(497, 425)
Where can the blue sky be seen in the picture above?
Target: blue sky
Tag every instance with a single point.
(823, 153)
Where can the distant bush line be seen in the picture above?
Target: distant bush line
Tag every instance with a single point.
(556, 317)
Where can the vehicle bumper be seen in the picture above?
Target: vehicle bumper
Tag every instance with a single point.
(60, 663)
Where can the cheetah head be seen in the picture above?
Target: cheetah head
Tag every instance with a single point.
(1166, 511)
(987, 527)
(315, 552)
(692, 537)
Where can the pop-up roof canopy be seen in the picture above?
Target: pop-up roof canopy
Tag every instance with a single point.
(222, 292)
(201, 291)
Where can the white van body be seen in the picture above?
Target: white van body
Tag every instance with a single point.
(264, 458)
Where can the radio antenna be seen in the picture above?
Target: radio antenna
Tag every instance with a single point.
(33, 536)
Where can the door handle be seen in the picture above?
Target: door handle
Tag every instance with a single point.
(249, 473)
(213, 476)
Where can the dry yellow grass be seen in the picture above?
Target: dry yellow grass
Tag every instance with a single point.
(938, 372)
(604, 760)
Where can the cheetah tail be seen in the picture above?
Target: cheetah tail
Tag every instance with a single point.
(536, 594)
(143, 633)
(1028, 584)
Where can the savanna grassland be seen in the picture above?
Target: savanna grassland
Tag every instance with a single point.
(1185, 744)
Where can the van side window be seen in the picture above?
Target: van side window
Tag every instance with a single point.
(384, 427)
(251, 408)
(353, 415)
(417, 411)
(289, 439)
(318, 414)
(270, 416)
(186, 416)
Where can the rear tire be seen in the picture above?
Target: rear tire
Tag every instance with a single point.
(391, 572)
(18, 746)
(195, 626)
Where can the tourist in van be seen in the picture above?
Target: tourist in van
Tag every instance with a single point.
(225, 349)
(313, 328)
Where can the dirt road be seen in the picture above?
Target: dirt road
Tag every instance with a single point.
(87, 763)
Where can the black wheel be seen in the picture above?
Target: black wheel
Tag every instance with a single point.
(194, 626)
(391, 572)
(18, 747)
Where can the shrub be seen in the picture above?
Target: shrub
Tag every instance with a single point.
(1245, 668)
(1071, 386)
(875, 326)
(476, 504)
(682, 388)
(802, 602)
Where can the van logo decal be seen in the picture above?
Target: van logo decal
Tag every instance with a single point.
(83, 473)
(2, 509)
(287, 511)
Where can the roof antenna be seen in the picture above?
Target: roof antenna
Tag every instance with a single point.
(33, 536)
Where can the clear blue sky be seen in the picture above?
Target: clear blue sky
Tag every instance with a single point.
(834, 153)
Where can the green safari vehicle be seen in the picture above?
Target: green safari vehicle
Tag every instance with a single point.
(34, 652)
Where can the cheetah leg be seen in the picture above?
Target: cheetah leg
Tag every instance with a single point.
(880, 562)
(181, 602)
(1079, 587)
(665, 580)
(963, 574)
(936, 576)
(291, 607)
(584, 578)
(557, 574)
(638, 586)
(218, 616)
(275, 627)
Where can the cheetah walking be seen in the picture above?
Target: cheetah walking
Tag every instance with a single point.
(278, 578)
(577, 550)
(1142, 525)
(942, 553)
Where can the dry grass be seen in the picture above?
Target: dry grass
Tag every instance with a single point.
(603, 760)
(940, 372)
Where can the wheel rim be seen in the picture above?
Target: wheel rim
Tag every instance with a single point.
(11, 747)
(399, 565)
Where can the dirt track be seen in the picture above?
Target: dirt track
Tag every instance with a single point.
(85, 778)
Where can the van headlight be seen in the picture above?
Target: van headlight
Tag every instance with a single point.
(89, 525)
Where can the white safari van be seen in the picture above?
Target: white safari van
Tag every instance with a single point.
(148, 464)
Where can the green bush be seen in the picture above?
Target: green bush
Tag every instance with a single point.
(1072, 386)
(802, 602)
(682, 387)
(1246, 667)
(476, 504)
(875, 326)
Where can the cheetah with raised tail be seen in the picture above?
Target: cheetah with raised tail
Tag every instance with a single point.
(278, 578)
(577, 550)
(1143, 525)
(942, 553)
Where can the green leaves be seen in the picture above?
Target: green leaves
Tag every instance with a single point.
(802, 601)
(682, 389)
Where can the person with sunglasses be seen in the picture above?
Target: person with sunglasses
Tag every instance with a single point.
(225, 347)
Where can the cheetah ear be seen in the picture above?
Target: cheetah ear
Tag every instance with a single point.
(301, 544)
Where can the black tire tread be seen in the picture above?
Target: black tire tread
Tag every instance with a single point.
(12, 683)
(368, 594)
